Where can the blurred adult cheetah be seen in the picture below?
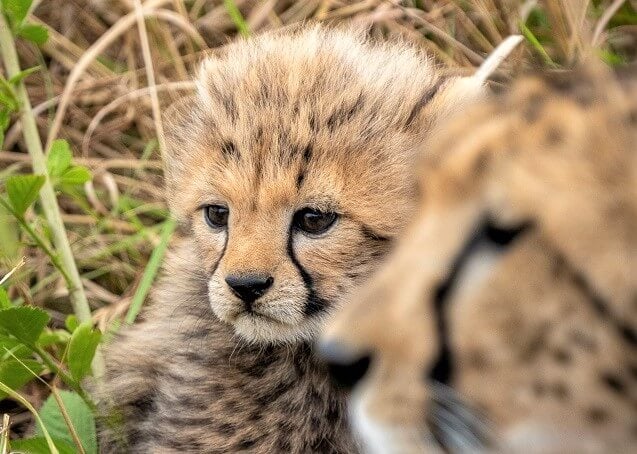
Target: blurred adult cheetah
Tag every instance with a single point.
(284, 171)
(505, 320)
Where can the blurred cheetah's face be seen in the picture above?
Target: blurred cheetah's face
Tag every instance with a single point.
(505, 318)
(292, 169)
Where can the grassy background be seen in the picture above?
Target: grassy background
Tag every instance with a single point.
(93, 90)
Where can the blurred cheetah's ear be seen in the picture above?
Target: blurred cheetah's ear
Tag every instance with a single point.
(451, 95)
(457, 93)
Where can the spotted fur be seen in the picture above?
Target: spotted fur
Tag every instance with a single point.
(288, 120)
(506, 318)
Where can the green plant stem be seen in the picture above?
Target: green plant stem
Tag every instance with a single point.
(47, 193)
(67, 420)
(66, 378)
(55, 260)
(237, 18)
(530, 37)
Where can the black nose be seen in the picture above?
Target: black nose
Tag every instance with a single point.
(249, 287)
(345, 366)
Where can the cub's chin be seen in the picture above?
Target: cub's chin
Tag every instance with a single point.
(267, 323)
(262, 329)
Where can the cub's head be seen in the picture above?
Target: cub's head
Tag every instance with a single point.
(291, 169)
(505, 319)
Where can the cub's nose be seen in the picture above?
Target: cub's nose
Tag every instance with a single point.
(249, 287)
(345, 366)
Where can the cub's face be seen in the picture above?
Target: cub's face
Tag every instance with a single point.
(291, 170)
(280, 249)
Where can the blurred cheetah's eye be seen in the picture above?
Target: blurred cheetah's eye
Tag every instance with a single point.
(313, 221)
(216, 215)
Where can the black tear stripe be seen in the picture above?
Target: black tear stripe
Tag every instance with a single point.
(314, 304)
(424, 100)
(599, 304)
(443, 367)
(442, 370)
(223, 252)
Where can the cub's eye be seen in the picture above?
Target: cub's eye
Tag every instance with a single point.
(313, 221)
(216, 215)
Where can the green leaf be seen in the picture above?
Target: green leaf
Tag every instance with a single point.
(71, 323)
(10, 348)
(38, 445)
(35, 33)
(4, 119)
(17, 11)
(82, 348)
(9, 237)
(80, 415)
(59, 158)
(23, 190)
(15, 374)
(17, 78)
(24, 323)
(7, 96)
(76, 175)
(611, 58)
(4, 123)
(51, 337)
(5, 302)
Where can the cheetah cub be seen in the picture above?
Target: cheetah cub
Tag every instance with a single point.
(506, 319)
(290, 171)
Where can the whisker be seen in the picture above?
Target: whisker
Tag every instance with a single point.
(454, 423)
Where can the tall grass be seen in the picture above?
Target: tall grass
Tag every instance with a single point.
(109, 66)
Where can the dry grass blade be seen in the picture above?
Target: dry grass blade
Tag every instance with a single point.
(603, 21)
(150, 75)
(6, 277)
(179, 21)
(95, 163)
(4, 434)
